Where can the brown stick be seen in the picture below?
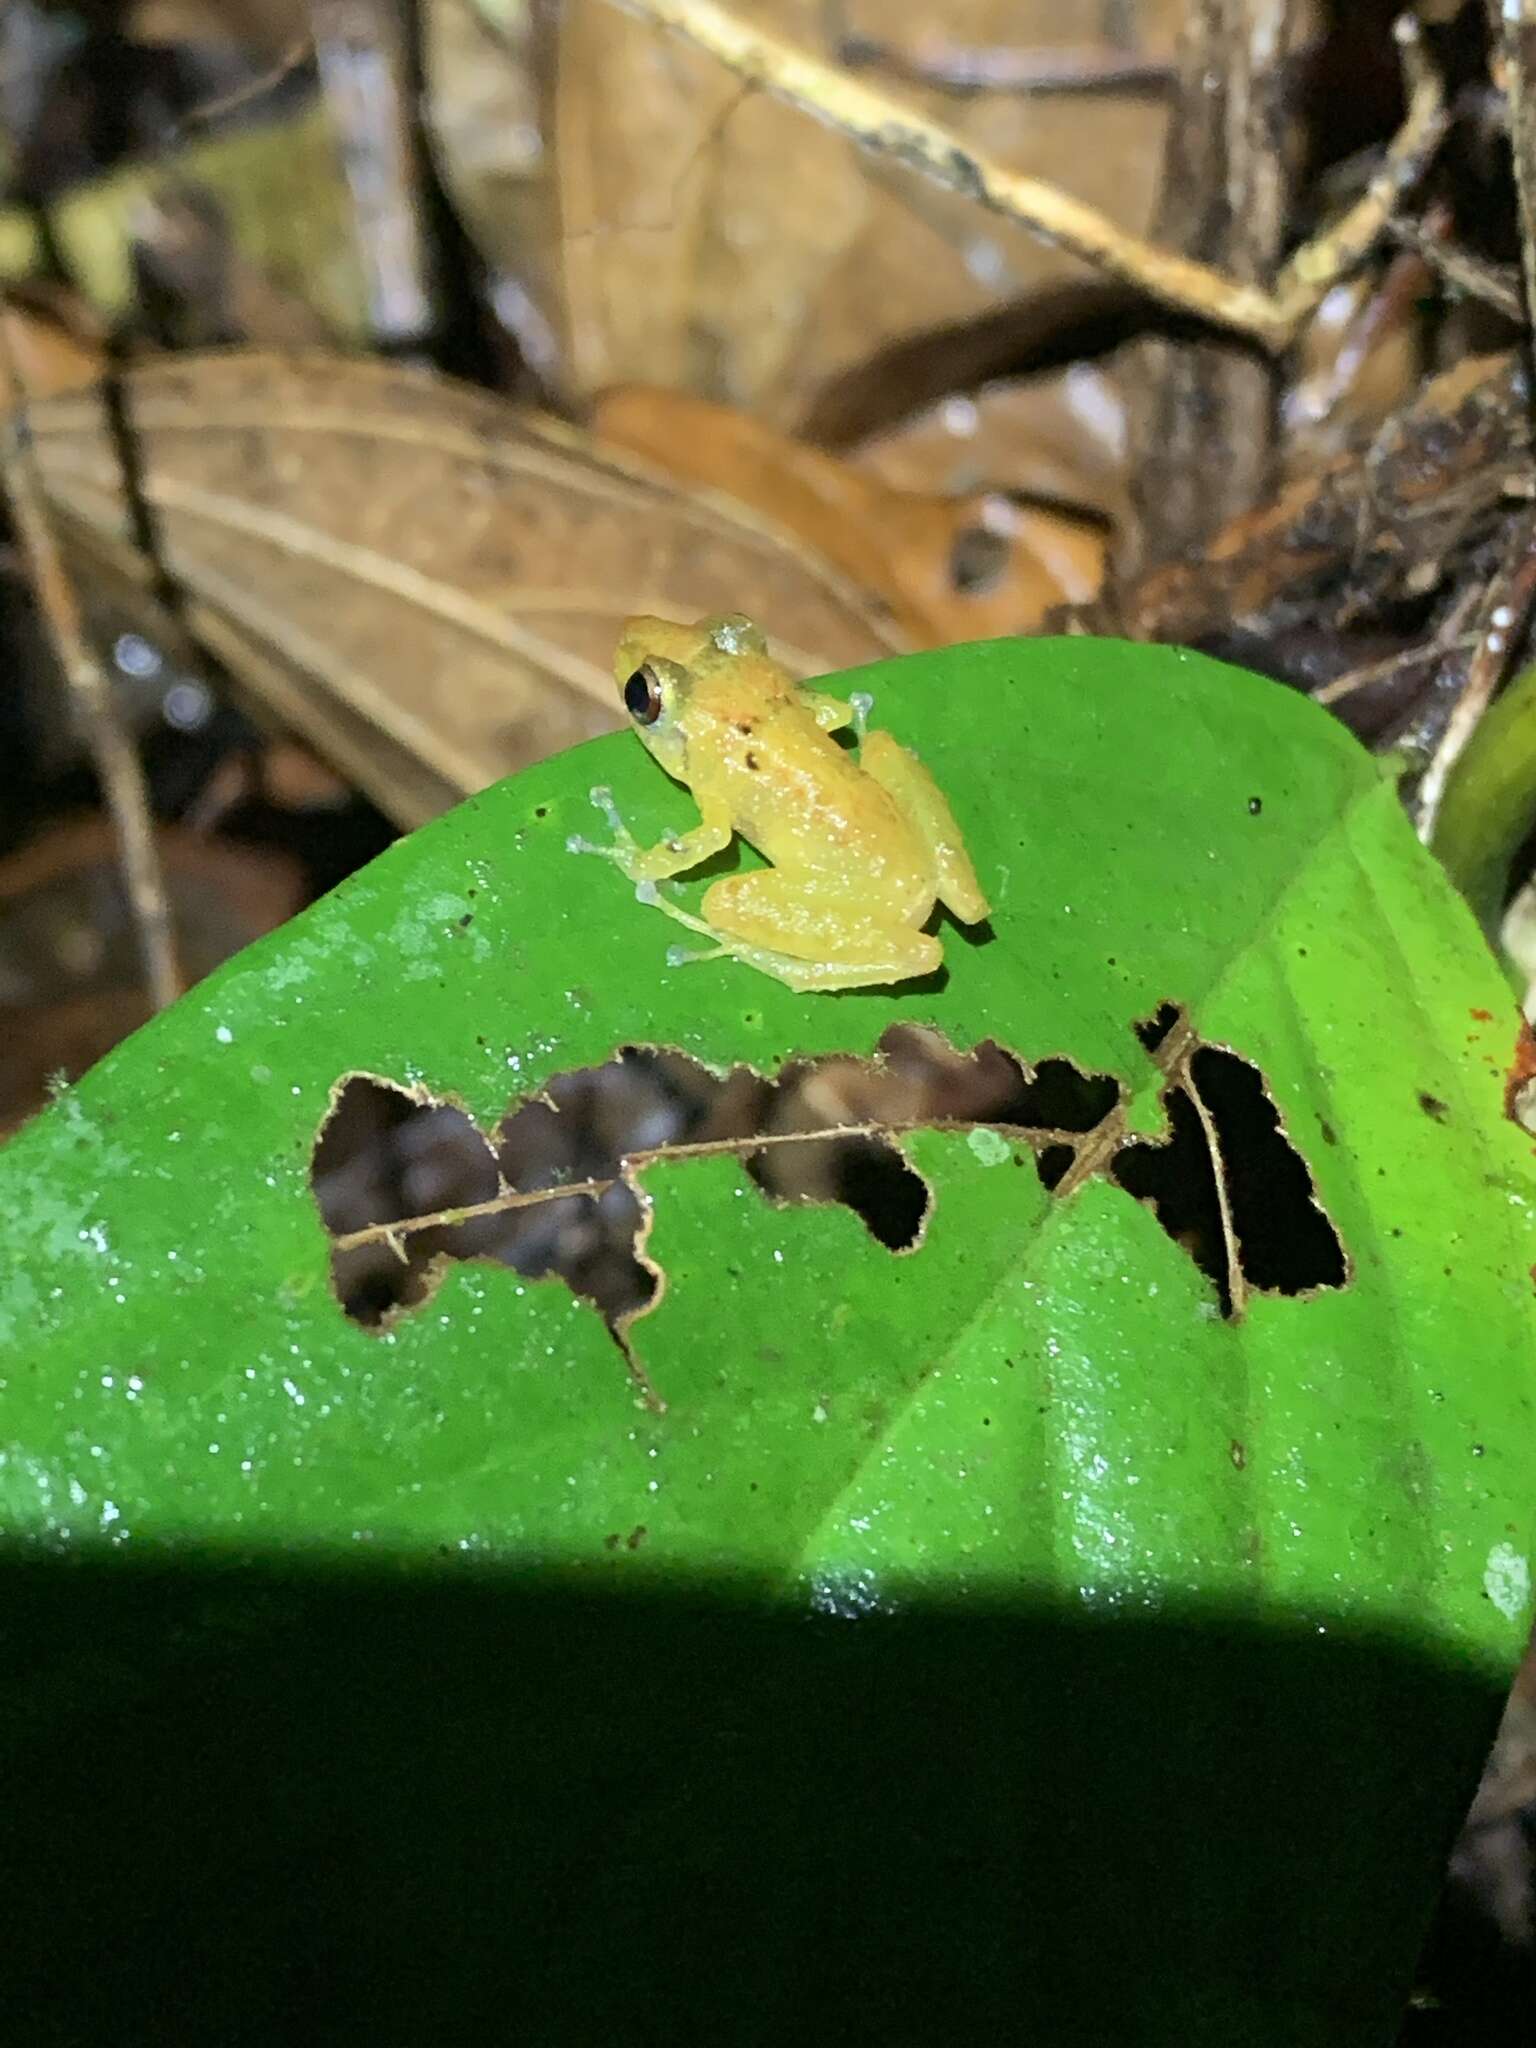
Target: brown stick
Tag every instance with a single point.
(1203, 413)
(1320, 264)
(298, 53)
(878, 122)
(117, 763)
(1491, 283)
(1517, 46)
(1507, 607)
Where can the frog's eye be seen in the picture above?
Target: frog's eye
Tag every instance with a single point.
(642, 696)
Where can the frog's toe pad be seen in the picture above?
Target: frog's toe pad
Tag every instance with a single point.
(647, 892)
(602, 800)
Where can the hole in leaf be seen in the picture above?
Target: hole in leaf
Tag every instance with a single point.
(387, 1157)
(1175, 1175)
(1053, 1166)
(384, 1153)
(1226, 1182)
(1288, 1244)
(1060, 1097)
(1154, 1029)
(405, 1182)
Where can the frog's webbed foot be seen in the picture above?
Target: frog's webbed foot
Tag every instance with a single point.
(624, 845)
(680, 956)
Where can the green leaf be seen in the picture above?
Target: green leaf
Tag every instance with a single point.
(1490, 800)
(1153, 828)
(1040, 1408)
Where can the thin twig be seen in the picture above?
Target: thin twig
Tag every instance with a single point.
(1384, 313)
(1507, 613)
(878, 122)
(1493, 284)
(1322, 263)
(117, 764)
(294, 58)
(1361, 678)
(1517, 47)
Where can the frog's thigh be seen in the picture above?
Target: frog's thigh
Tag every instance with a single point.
(810, 921)
(927, 808)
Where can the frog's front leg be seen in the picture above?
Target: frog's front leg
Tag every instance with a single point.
(671, 856)
(830, 713)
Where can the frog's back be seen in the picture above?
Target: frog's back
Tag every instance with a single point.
(806, 805)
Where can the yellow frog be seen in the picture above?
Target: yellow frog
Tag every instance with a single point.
(860, 848)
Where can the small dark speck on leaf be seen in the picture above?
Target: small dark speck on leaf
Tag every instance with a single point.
(1255, 805)
(1330, 1135)
(1478, 1450)
(1433, 1106)
(466, 920)
(1239, 1454)
(539, 811)
(636, 1536)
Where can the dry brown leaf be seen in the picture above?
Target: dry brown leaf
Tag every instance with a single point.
(1058, 437)
(423, 580)
(69, 957)
(268, 28)
(676, 227)
(949, 568)
(50, 355)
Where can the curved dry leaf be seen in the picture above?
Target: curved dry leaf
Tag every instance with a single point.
(677, 227)
(70, 974)
(49, 356)
(424, 580)
(1060, 436)
(950, 568)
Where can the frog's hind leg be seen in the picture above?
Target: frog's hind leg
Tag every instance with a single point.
(898, 770)
(680, 956)
(809, 936)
